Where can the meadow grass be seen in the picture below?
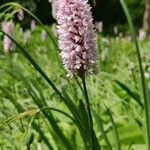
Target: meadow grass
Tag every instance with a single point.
(40, 106)
(103, 90)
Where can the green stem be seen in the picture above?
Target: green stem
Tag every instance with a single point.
(89, 114)
(12, 71)
(13, 82)
(28, 147)
(1, 146)
(116, 134)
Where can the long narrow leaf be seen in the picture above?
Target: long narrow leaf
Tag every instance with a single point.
(116, 134)
(35, 65)
(103, 132)
(146, 101)
(52, 121)
(59, 111)
(134, 95)
(21, 109)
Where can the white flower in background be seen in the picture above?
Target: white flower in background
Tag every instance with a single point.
(26, 36)
(116, 31)
(104, 55)
(99, 26)
(33, 25)
(21, 30)
(20, 15)
(129, 38)
(105, 41)
(8, 27)
(131, 67)
(120, 34)
(147, 75)
(142, 35)
(54, 4)
(44, 35)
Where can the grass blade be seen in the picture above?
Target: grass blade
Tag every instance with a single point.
(116, 134)
(59, 111)
(94, 141)
(146, 101)
(21, 109)
(134, 95)
(35, 65)
(52, 121)
(103, 132)
(71, 106)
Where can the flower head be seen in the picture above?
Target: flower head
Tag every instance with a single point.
(8, 44)
(77, 38)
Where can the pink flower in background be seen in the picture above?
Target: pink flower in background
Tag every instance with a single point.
(77, 38)
(27, 35)
(8, 44)
(20, 15)
(33, 25)
(142, 35)
(116, 31)
(54, 4)
(120, 34)
(99, 26)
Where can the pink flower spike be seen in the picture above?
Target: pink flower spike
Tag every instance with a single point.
(77, 37)
(8, 27)
(20, 15)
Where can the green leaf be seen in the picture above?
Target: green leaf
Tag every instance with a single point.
(83, 114)
(134, 95)
(76, 113)
(101, 128)
(50, 118)
(115, 131)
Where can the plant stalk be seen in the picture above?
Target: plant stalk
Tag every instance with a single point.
(89, 114)
(28, 147)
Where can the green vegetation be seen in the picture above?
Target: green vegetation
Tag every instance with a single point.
(40, 106)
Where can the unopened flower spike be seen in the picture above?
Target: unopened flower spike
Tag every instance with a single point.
(77, 38)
